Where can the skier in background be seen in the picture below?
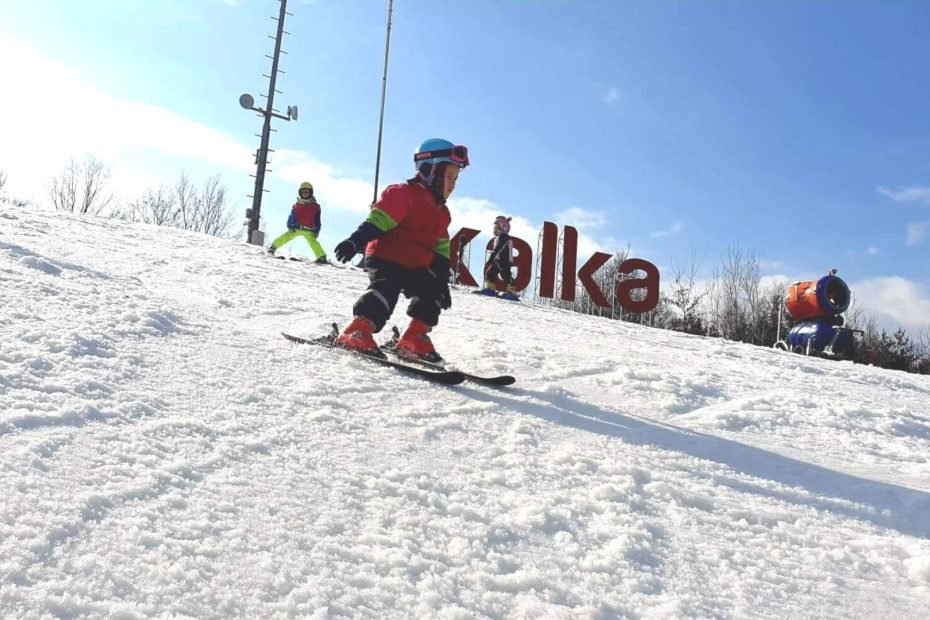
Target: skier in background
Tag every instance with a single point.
(406, 243)
(304, 221)
(501, 259)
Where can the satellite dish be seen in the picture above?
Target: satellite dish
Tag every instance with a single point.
(246, 101)
(292, 112)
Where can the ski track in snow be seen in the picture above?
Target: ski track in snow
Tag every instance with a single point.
(166, 452)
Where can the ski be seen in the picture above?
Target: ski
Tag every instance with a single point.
(297, 259)
(445, 377)
(499, 381)
(307, 261)
(486, 292)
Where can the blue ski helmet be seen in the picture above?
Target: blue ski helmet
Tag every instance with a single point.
(436, 151)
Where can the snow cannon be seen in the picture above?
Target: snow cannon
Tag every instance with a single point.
(817, 306)
(823, 337)
(826, 297)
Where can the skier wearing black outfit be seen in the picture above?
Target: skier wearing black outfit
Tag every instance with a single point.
(501, 259)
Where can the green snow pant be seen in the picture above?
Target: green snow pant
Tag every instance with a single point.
(306, 234)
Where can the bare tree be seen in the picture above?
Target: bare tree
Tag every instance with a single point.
(772, 303)
(213, 217)
(82, 187)
(725, 304)
(10, 200)
(684, 301)
(187, 203)
(855, 314)
(157, 206)
(738, 306)
(870, 342)
(922, 349)
(184, 206)
(857, 317)
(64, 188)
(751, 291)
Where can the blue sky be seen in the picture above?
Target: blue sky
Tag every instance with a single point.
(799, 130)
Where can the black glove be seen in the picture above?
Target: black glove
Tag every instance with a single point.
(316, 232)
(444, 296)
(291, 229)
(365, 233)
(440, 270)
(345, 251)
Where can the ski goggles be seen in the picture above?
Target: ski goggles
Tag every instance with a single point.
(457, 155)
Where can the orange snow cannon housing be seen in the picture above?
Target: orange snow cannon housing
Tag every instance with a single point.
(827, 296)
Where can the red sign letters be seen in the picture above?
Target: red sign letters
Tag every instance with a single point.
(638, 274)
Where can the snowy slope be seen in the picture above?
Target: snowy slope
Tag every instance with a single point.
(165, 452)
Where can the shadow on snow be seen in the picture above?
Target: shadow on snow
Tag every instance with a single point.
(884, 504)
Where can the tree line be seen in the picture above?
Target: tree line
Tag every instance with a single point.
(85, 187)
(738, 304)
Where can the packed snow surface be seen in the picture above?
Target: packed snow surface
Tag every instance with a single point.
(165, 452)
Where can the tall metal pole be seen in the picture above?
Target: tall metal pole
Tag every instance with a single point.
(262, 158)
(387, 49)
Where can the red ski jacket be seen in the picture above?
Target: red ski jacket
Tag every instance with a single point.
(415, 225)
(305, 215)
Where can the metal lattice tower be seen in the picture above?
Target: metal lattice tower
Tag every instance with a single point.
(253, 214)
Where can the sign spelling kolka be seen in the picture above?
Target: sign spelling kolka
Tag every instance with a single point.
(629, 268)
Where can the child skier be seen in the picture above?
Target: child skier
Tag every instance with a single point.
(304, 221)
(407, 239)
(501, 258)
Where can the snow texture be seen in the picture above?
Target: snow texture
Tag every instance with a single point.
(166, 453)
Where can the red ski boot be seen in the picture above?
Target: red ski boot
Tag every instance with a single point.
(357, 337)
(415, 344)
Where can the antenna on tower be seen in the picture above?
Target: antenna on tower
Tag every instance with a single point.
(253, 235)
(387, 49)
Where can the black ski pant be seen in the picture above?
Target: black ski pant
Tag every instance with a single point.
(388, 281)
(496, 268)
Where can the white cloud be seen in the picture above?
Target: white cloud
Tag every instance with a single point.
(590, 225)
(674, 229)
(582, 219)
(896, 301)
(612, 96)
(333, 190)
(128, 136)
(917, 232)
(872, 251)
(778, 278)
(480, 214)
(910, 193)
